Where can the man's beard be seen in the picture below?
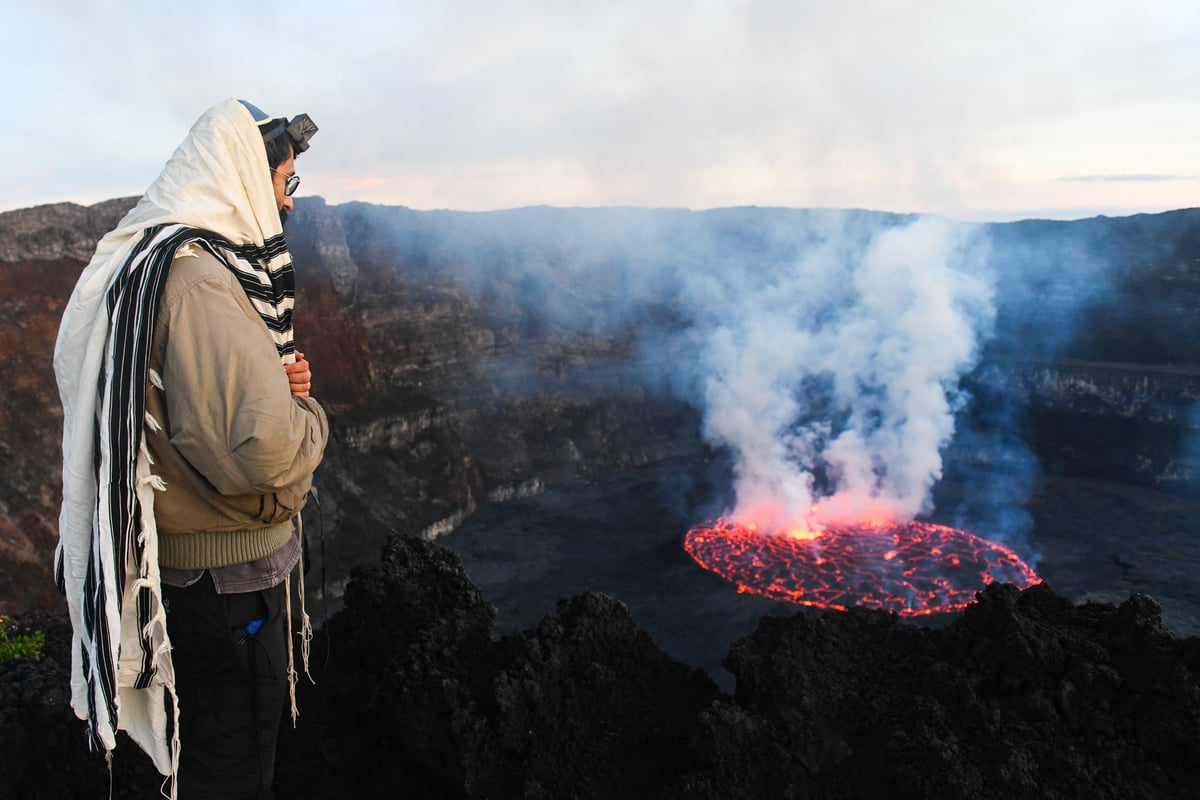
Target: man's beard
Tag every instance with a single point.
(283, 215)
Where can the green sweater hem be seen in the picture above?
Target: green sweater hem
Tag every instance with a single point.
(212, 549)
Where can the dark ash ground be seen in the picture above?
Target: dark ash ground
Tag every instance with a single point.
(622, 535)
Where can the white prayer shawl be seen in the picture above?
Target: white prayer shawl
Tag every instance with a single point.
(218, 181)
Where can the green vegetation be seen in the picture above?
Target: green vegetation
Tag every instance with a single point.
(27, 644)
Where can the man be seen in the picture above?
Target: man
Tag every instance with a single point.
(189, 445)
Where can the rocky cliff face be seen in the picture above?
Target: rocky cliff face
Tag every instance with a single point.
(413, 367)
(472, 357)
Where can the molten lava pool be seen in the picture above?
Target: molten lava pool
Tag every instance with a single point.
(912, 568)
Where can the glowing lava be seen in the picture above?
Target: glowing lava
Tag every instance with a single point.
(912, 568)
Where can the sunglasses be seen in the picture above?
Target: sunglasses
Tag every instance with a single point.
(290, 186)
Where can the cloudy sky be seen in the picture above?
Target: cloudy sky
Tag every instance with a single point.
(988, 109)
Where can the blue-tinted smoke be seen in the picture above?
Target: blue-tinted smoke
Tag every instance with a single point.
(846, 360)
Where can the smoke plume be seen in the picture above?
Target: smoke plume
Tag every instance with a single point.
(834, 380)
(823, 348)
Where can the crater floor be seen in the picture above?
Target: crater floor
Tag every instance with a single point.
(623, 535)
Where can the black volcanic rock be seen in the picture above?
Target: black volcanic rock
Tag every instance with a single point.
(1025, 696)
(46, 753)
(416, 694)
(587, 699)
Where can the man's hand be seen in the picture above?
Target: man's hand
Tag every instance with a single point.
(299, 376)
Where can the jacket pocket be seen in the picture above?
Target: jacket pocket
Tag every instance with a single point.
(284, 504)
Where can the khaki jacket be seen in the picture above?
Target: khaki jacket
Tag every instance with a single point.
(235, 449)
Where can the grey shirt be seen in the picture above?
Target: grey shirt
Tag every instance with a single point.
(242, 578)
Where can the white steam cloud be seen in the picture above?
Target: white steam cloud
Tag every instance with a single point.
(834, 380)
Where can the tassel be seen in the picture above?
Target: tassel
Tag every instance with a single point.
(154, 481)
(173, 778)
(306, 632)
(291, 670)
(144, 451)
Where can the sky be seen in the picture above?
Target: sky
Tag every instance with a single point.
(987, 110)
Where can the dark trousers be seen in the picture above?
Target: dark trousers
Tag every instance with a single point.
(232, 685)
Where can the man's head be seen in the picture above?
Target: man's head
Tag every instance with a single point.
(283, 140)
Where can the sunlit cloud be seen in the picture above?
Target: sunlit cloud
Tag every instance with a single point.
(1143, 178)
(945, 107)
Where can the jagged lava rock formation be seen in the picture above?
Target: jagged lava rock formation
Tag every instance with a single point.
(1024, 696)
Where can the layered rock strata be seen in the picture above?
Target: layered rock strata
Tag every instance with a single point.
(468, 357)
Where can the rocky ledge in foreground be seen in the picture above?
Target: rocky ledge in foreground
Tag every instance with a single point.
(1024, 696)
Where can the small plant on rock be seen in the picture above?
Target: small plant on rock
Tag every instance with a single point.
(25, 644)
